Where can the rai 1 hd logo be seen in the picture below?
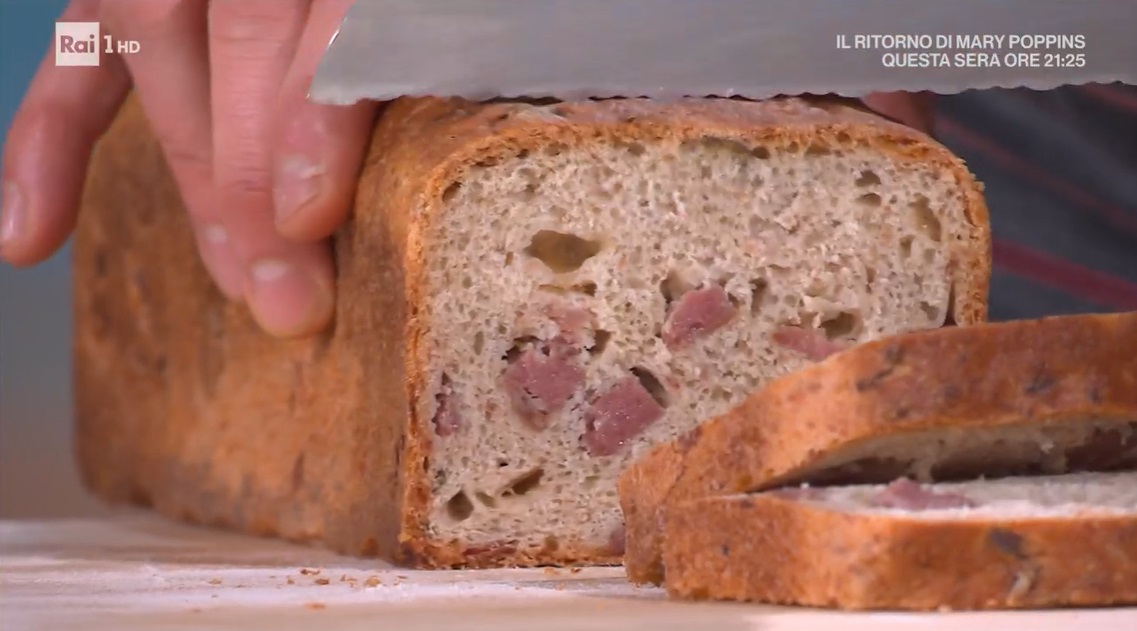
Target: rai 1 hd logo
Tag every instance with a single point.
(80, 44)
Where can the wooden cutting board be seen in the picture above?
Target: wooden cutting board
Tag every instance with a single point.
(134, 571)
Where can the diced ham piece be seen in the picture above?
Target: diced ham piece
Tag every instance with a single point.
(570, 319)
(905, 494)
(447, 418)
(809, 342)
(618, 415)
(696, 314)
(542, 379)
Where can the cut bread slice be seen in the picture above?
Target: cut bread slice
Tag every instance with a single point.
(1020, 542)
(1043, 396)
(530, 297)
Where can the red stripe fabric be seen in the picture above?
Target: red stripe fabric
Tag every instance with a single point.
(1113, 96)
(1045, 180)
(1066, 276)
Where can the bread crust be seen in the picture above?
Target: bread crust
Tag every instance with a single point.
(1054, 370)
(184, 404)
(788, 552)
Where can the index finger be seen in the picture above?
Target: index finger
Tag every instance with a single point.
(321, 147)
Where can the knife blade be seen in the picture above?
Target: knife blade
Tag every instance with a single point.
(572, 49)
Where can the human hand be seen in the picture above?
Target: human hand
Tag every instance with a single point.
(265, 175)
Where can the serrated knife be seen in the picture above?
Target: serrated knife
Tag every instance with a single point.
(571, 49)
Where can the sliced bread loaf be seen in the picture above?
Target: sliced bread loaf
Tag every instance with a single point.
(1027, 542)
(530, 297)
(1042, 396)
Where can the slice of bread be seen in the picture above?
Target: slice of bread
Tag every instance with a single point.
(530, 297)
(1028, 542)
(1042, 396)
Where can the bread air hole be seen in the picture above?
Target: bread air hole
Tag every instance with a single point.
(486, 499)
(652, 385)
(560, 252)
(673, 286)
(451, 191)
(518, 347)
(926, 219)
(524, 484)
(842, 326)
(930, 311)
(587, 288)
(869, 199)
(634, 148)
(758, 288)
(906, 247)
(459, 507)
(729, 146)
(600, 342)
(867, 178)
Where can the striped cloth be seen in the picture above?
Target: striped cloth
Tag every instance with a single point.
(1060, 169)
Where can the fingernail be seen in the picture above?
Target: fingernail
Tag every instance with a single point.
(286, 300)
(221, 262)
(297, 183)
(11, 212)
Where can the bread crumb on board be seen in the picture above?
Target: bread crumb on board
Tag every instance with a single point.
(309, 572)
(214, 581)
(322, 581)
(315, 606)
(372, 581)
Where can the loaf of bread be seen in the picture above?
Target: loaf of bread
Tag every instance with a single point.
(1029, 397)
(530, 297)
(1011, 543)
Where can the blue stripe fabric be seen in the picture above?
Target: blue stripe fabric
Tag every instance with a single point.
(1060, 170)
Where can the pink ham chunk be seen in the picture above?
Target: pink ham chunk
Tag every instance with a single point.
(542, 379)
(905, 494)
(696, 314)
(570, 320)
(618, 415)
(809, 342)
(447, 418)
